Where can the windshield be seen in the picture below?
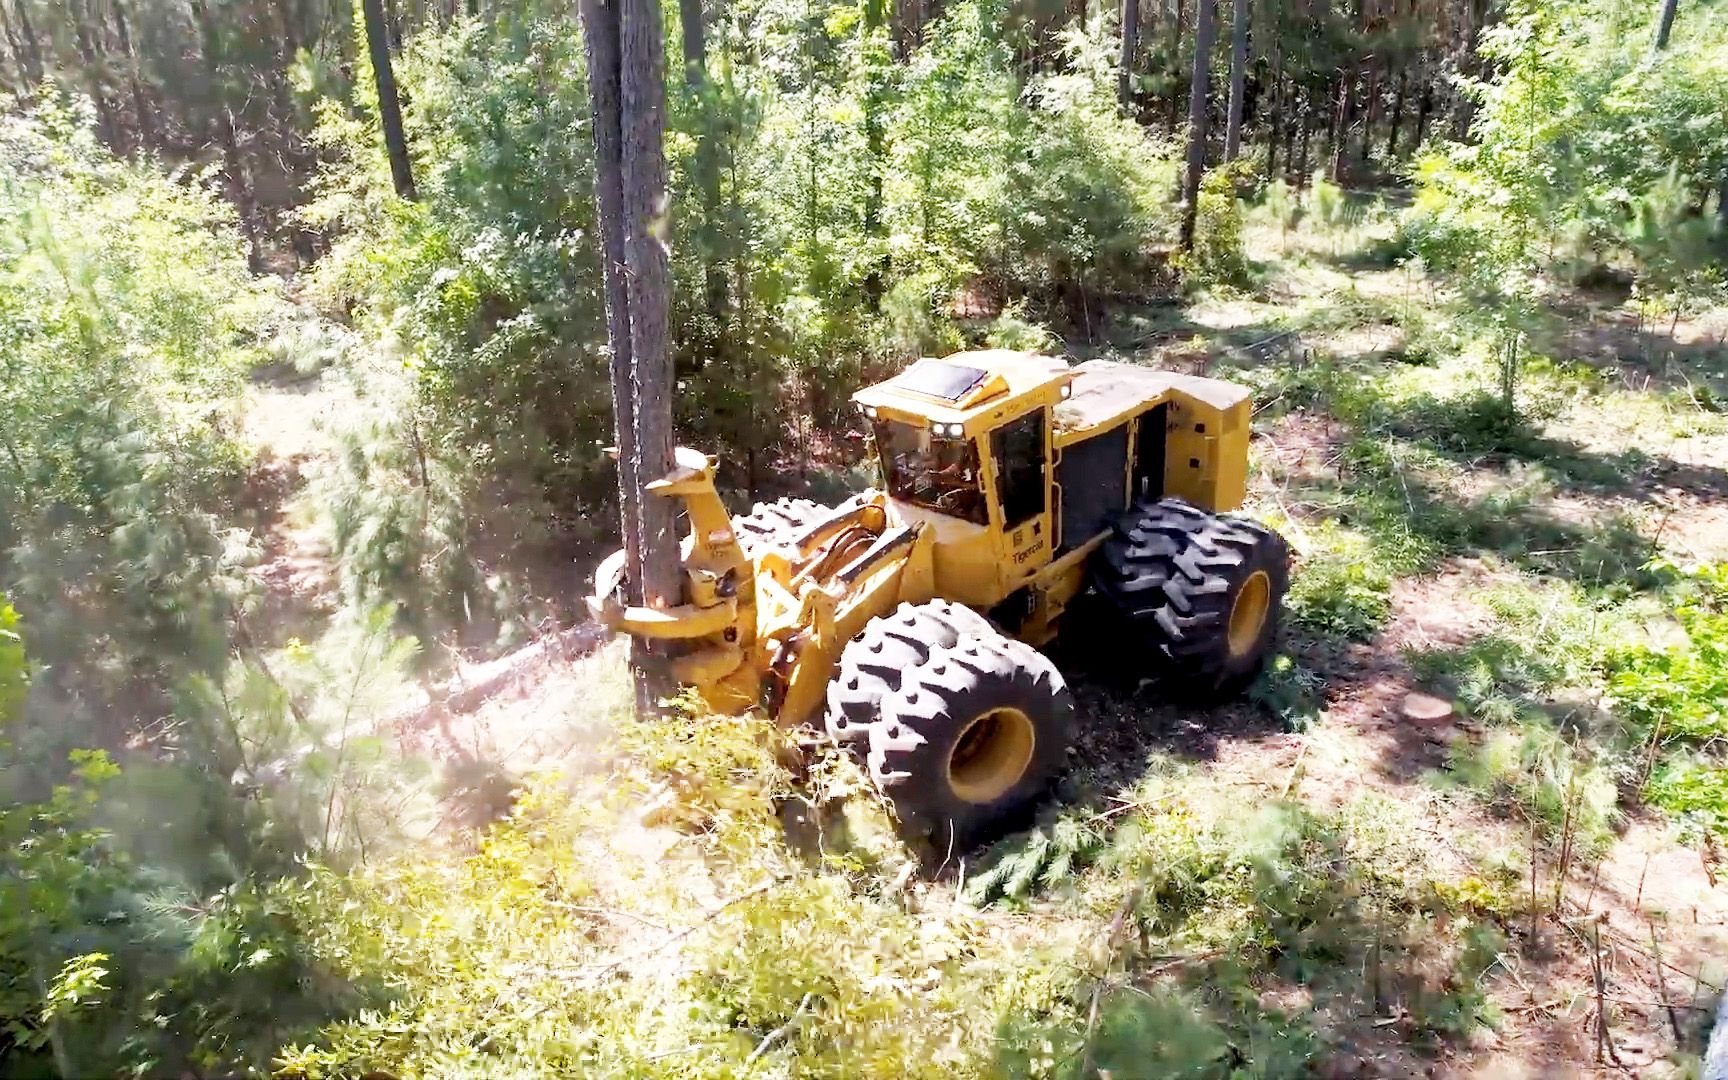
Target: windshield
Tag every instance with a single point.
(930, 471)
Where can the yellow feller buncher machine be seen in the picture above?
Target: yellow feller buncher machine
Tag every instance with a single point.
(907, 621)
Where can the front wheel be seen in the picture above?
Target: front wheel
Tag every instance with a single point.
(974, 735)
(1205, 591)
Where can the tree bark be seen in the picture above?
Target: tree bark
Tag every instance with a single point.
(1424, 109)
(389, 104)
(93, 71)
(146, 115)
(1130, 45)
(32, 47)
(705, 171)
(1238, 77)
(1664, 25)
(17, 49)
(600, 33)
(642, 88)
(1370, 113)
(1175, 62)
(1397, 116)
(1275, 126)
(1198, 89)
(628, 90)
(1341, 122)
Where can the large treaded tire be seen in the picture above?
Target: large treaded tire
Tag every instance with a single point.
(776, 523)
(1185, 579)
(974, 735)
(874, 663)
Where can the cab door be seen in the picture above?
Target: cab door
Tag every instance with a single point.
(1020, 456)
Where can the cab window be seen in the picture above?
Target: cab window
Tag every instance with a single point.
(935, 472)
(1018, 450)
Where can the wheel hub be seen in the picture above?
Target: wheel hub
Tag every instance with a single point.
(991, 755)
(1248, 613)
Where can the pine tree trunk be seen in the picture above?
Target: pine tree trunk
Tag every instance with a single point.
(1424, 109)
(1275, 127)
(1370, 113)
(600, 33)
(705, 171)
(1198, 89)
(1341, 122)
(389, 104)
(32, 47)
(146, 115)
(1308, 110)
(1175, 63)
(84, 35)
(16, 47)
(642, 90)
(1238, 77)
(1664, 25)
(1130, 45)
(1397, 117)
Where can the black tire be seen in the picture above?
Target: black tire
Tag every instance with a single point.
(1189, 582)
(779, 522)
(874, 663)
(973, 737)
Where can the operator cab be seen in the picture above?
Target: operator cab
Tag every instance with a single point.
(967, 436)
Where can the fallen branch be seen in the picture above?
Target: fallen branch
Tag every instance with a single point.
(691, 929)
(1112, 937)
(782, 1031)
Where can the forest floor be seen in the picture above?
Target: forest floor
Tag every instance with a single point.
(1492, 556)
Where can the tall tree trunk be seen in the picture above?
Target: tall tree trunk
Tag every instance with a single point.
(1341, 121)
(233, 164)
(1275, 125)
(1397, 116)
(1175, 63)
(1308, 110)
(1370, 113)
(16, 47)
(705, 171)
(85, 36)
(1424, 109)
(642, 93)
(1198, 89)
(389, 104)
(32, 46)
(1130, 45)
(146, 115)
(1238, 77)
(1664, 25)
(600, 33)
(874, 102)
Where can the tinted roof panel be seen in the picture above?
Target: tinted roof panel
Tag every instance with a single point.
(939, 379)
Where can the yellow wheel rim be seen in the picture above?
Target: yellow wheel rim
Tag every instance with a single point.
(991, 755)
(1248, 613)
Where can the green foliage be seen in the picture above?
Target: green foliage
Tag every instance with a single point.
(1341, 589)
(1678, 691)
(128, 323)
(14, 668)
(1218, 256)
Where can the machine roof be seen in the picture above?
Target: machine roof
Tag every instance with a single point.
(966, 382)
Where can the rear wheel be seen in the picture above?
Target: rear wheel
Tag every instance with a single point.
(1205, 591)
(974, 735)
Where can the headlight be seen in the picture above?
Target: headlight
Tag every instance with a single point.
(870, 411)
(1067, 390)
(955, 431)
